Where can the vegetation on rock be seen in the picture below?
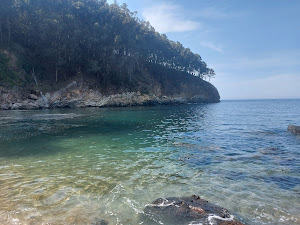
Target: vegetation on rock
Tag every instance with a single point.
(57, 40)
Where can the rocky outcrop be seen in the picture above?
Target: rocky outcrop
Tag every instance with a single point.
(187, 210)
(79, 94)
(294, 129)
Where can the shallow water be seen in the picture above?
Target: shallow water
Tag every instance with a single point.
(81, 166)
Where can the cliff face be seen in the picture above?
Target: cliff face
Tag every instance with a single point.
(153, 85)
(80, 94)
(91, 53)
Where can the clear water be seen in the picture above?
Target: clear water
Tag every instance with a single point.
(80, 166)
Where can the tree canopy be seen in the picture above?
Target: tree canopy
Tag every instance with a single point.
(67, 37)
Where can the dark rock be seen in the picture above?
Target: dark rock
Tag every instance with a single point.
(187, 210)
(100, 222)
(35, 92)
(294, 129)
(230, 223)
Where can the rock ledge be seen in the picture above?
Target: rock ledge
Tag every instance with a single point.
(79, 94)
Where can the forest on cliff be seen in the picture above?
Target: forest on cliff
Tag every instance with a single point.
(56, 40)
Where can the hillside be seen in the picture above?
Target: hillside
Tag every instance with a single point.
(48, 46)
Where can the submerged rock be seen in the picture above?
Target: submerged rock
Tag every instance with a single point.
(187, 210)
(294, 129)
(99, 222)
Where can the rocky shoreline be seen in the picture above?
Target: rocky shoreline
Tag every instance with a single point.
(79, 95)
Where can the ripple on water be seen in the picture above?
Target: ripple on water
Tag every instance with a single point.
(108, 164)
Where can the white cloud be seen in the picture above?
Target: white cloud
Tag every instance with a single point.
(214, 13)
(167, 17)
(212, 46)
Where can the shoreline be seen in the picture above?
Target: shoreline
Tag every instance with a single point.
(79, 95)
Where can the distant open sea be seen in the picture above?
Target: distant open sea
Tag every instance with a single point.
(82, 166)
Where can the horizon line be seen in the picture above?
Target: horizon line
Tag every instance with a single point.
(249, 99)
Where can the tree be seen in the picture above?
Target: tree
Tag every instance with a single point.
(106, 41)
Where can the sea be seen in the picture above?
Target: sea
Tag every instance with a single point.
(105, 165)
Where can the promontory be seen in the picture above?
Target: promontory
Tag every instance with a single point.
(81, 53)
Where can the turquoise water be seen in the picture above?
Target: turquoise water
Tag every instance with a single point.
(81, 166)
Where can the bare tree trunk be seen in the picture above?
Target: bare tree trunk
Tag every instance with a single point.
(56, 73)
(34, 77)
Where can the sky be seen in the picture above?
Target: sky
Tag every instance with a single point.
(253, 46)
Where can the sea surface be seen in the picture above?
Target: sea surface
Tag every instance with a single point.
(87, 166)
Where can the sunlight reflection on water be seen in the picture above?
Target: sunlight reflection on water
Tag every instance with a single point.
(82, 166)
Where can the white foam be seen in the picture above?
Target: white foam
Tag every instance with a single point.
(15, 221)
(165, 203)
(133, 204)
(213, 216)
(3, 167)
(195, 223)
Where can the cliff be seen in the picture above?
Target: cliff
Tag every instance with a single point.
(80, 94)
(91, 53)
(27, 91)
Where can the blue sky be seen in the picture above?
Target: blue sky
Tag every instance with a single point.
(253, 45)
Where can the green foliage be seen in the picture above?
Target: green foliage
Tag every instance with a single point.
(65, 37)
(7, 76)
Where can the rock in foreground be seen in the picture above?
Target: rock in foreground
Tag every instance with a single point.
(294, 129)
(187, 210)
